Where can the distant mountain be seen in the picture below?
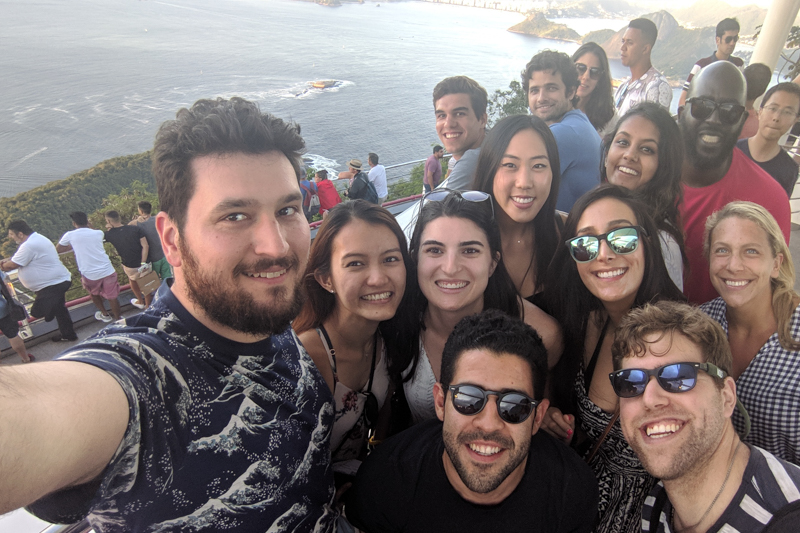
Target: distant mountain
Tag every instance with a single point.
(538, 25)
(676, 49)
(593, 9)
(710, 12)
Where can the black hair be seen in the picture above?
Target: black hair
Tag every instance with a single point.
(500, 334)
(572, 304)
(145, 207)
(663, 194)
(757, 76)
(373, 158)
(79, 218)
(494, 147)
(463, 85)
(215, 127)
(19, 226)
(500, 291)
(600, 105)
(786, 86)
(437, 148)
(648, 29)
(555, 62)
(728, 24)
(322, 174)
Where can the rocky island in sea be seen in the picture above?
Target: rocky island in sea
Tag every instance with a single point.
(538, 25)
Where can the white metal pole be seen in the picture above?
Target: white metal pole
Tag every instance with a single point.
(780, 16)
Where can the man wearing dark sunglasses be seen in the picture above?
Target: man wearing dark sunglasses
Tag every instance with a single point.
(727, 37)
(714, 172)
(484, 465)
(671, 366)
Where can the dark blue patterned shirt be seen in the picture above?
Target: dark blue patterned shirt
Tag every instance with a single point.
(222, 436)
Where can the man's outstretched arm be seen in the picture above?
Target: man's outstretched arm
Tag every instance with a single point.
(60, 424)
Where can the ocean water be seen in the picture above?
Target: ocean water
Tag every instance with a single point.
(86, 80)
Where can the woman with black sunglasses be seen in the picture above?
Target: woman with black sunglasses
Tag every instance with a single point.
(594, 91)
(644, 154)
(355, 280)
(751, 268)
(519, 168)
(458, 270)
(611, 263)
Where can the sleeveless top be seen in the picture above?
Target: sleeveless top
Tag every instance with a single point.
(349, 432)
(623, 482)
(419, 389)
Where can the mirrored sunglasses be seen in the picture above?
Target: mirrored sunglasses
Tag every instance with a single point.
(674, 377)
(594, 72)
(439, 195)
(512, 406)
(585, 248)
(702, 108)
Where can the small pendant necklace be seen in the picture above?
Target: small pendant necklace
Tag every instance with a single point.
(708, 510)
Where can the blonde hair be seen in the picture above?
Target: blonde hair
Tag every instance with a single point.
(783, 293)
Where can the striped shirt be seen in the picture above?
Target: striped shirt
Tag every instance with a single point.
(768, 484)
(707, 61)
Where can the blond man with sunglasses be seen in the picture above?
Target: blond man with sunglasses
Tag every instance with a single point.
(714, 172)
(483, 465)
(672, 366)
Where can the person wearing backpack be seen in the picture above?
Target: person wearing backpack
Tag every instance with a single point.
(361, 188)
(310, 198)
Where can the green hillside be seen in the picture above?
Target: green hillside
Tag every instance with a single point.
(47, 208)
(538, 25)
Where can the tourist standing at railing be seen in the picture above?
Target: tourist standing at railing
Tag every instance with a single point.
(40, 270)
(646, 83)
(203, 412)
(519, 167)
(460, 107)
(377, 176)
(155, 255)
(550, 80)
(97, 273)
(457, 256)
(644, 154)
(433, 169)
(328, 196)
(779, 111)
(727, 37)
(132, 248)
(715, 172)
(10, 327)
(353, 166)
(595, 97)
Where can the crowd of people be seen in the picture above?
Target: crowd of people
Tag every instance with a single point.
(490, 373)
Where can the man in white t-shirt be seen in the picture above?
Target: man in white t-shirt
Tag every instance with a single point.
(40, 270)
(97, 274)
(377, 175)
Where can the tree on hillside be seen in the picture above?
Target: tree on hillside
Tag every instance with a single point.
(125, 203)
(504, 103)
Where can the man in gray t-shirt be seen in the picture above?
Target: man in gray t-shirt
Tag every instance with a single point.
(156, 254)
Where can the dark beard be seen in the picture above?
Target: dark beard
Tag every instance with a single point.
(238, 309)
(708, 163)
(475, 480)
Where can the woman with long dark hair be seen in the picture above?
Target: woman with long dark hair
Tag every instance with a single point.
(594, 91)
(355, 281)
(519, 167)
(458, 265)
(644, 153)
(610, 263)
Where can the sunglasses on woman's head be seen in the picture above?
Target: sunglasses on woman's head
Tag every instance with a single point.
(594, 72)
(512, 406)
(439, 195)
(674, 377)
(585, 248)
(702, 108)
